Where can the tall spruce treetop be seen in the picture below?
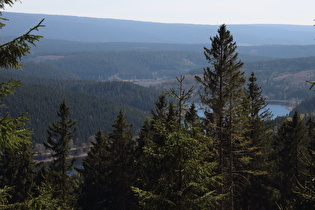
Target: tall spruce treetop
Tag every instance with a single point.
(224, 94)
(224, 74)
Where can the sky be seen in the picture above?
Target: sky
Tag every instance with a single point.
(210, 12)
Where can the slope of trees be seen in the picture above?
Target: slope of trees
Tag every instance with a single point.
(89, 111)
(118, 91)
(135, 65)
(306, 106)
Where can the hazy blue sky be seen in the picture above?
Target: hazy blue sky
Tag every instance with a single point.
(300, 12)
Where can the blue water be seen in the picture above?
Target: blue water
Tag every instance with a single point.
(276, 109)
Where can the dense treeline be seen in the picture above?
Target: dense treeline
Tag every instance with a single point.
(40, 96)
(231, 159)
(118, 91)
(44, 70)
(128, 65)
(90, 111)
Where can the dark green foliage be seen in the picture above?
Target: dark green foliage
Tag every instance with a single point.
(256, 193)
(107, 173)
(18, 171)
(60, 133)
(12, 51)
(258, 111)
(290, 147)
(306, 189)
(122, 92)
(89, 111)
(13, 132)
(95, 191)
(193, 123)
(118, 91)
(121, 164)
(174, 167)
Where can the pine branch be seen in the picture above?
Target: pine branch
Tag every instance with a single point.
(11, 52)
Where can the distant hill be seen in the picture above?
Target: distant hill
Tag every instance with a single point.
(281, 79)
(247, 53)
(84, 29)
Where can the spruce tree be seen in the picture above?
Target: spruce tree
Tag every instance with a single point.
(258, 112)
(305, 189)
(223, 93)
(121, 164)
(95, 190)
(290, 146)
(175, 165)
(108, 170)
(256, 193)
(60, 134)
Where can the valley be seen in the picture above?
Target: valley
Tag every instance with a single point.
(133, 74)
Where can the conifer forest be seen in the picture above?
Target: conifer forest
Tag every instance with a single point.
(135, 147)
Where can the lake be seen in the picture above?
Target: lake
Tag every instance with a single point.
(276, 109)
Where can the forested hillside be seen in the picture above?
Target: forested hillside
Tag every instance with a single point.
(94, 104)
(129, 65)
(307, 106)
(118, 91)
(281, 79)
(90, 112)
